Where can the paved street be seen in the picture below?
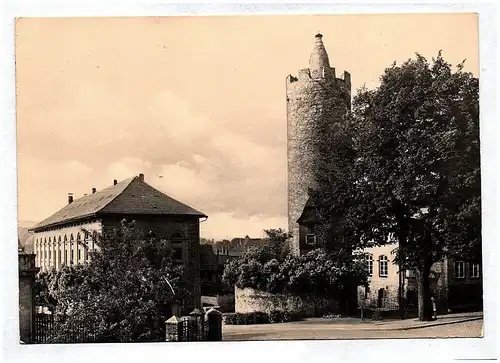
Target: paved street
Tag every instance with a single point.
(458, 326)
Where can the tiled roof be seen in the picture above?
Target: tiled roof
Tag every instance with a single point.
(131, 196)
(309, 214)
(142, 198)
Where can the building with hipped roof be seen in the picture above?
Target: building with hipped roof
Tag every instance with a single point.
(60, 240)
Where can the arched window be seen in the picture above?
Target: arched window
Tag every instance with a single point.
(71, 248)
(50, 240)
(177, 235)
(369, 264)
(383, 266)
(65, 238)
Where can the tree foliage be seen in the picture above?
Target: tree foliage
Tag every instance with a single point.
(123, 292)
(270, 268)
(409, 168)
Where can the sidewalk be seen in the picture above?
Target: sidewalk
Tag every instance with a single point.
(353, 324)
(398, 324)
(415, 323)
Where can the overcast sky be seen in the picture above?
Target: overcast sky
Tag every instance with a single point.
(198, 100)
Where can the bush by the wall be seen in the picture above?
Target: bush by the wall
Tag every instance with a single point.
(246, 318)
(284, 316)
(274, 316)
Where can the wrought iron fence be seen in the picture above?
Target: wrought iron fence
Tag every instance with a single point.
(48, 326)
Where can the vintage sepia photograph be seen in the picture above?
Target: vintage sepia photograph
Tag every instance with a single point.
(243, 178)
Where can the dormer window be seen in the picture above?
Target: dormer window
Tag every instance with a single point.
(311, 239)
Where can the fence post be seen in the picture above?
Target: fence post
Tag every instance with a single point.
(27, 273)
(214, 320)
(172, 328)
(197, 314)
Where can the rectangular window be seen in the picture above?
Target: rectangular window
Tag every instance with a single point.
(459, 269)
(369, 265)
(475, 270)
(311, 239)
(383, 263)
(79, 255)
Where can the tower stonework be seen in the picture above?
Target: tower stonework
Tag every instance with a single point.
(316, 98)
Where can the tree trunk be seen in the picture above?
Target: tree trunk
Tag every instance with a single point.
(424, 293)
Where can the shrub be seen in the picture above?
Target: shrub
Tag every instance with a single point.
(316, 273)
(273, 316)
(246, 318)
(284, 316)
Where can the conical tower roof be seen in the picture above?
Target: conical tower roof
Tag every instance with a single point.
(318, 61)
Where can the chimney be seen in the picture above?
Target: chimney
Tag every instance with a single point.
(94, 190)
(141, 177)
(70, 198)
(115, 182)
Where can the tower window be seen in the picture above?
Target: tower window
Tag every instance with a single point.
(383, 266)
(459, 269)
(311, 239)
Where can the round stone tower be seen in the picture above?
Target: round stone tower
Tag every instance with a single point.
(316, 98)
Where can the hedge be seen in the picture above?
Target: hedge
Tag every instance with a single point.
(258, 317)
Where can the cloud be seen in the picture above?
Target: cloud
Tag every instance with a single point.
(181, 121)
(198, 158)
(183, 183)
(227, 225)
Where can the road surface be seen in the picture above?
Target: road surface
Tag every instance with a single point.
(307, 330)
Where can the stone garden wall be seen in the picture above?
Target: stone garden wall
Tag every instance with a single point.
(248, 300)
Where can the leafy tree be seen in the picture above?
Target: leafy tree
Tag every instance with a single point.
(43, 297)
(414, 171)
(123, 292)
(271, 268)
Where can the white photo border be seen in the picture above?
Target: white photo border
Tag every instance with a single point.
(310, 351)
